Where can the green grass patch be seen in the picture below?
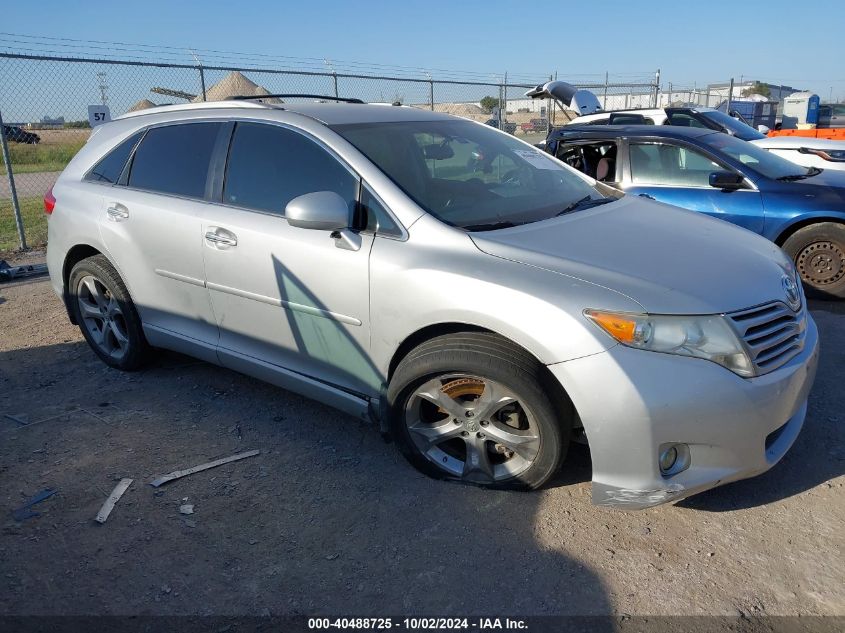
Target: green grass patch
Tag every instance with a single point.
(41, 157)
(34, 223)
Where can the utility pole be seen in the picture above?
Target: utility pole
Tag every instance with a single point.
(103, 86)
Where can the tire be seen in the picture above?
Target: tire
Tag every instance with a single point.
(102, 307)
(818, 251)
(475, 408)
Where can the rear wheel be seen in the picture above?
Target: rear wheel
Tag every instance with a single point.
(106, 315)
(818, 251)
(473, 407)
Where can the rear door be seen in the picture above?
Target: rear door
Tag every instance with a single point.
(680, 175)
(151, 224)
(286, 296)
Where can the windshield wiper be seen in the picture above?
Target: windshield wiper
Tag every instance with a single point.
(811, 171)
(491, 226)
(584, 203)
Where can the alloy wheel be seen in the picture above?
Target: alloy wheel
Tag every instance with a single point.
(102, 317)
(473, 428)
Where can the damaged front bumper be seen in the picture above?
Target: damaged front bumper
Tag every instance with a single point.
(632, 402)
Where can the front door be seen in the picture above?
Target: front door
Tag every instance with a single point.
(680, 175)
(283, 295)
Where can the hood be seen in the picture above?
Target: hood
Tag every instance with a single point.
(668, 260)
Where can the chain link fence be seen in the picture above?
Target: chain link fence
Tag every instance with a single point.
(45, 101)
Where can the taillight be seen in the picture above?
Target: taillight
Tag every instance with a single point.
(49, 201)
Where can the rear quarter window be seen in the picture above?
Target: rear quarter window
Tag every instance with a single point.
(174, 159)
(108, 170)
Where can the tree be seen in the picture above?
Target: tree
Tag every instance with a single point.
(488, 103)
(757, 88)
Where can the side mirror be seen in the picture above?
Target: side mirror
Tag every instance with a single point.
(321, 210)
(726, 180)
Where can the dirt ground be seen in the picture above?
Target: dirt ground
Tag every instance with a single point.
(329, 519)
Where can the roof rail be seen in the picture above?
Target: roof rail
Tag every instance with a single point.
(295, 95)
(200, 105)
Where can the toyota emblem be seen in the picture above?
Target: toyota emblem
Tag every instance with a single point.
(793, 295)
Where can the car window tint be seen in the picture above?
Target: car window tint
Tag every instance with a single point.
(174, 159)
(376, 218)
(269, 166)
(661, 164)
(685, 120)
(108, 170)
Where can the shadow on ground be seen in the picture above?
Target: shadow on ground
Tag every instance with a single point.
(327, 519)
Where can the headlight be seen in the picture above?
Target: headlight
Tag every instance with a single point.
(708, 337)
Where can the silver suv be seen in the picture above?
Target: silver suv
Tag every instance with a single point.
(479, 300)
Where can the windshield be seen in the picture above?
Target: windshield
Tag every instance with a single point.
(469, 175)
(737, 127)
(760, 160)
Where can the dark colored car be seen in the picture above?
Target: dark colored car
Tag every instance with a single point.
(507, 126)
(802, 209)
(19, 135)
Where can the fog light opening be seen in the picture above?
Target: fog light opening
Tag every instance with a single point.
(673, 458)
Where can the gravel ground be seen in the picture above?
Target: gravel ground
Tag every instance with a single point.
(330, 519)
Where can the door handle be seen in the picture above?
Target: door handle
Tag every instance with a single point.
(117, 212)
(221, 237)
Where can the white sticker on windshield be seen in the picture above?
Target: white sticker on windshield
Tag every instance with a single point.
(537, 159)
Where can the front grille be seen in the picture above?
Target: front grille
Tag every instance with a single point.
(772, 334)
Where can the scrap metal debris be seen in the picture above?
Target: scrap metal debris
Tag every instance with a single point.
(176, 474)
(16, 418)
(25, 511)
(7, 272)
(186, 508)
(116, 494)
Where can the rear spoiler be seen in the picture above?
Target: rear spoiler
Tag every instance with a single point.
(582, 101)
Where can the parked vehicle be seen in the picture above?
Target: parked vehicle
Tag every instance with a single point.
(810, 152)
(831, 115)
(798, 208)
(507, 126)
(479, 300)
(703, 118)
(17, 134)
(536, 125)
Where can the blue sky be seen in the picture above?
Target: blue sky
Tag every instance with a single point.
(691, 42)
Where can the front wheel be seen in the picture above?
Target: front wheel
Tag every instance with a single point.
(818, 251)
(475, 408)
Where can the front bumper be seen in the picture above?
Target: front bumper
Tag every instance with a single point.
(632, 401)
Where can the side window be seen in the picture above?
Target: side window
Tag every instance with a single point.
(108, 170)
(375, 218)
(685, 120)
(597, 160)
(174, 159)
(661, 164)
(270, 165)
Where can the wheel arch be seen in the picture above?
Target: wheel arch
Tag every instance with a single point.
(557, 391)
(802, 223)
(75, 255)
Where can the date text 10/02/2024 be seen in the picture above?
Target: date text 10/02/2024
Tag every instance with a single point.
(417, 624)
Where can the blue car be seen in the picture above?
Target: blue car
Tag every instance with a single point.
(802, 209)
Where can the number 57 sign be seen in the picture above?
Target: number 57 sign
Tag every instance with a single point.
(98, 114)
